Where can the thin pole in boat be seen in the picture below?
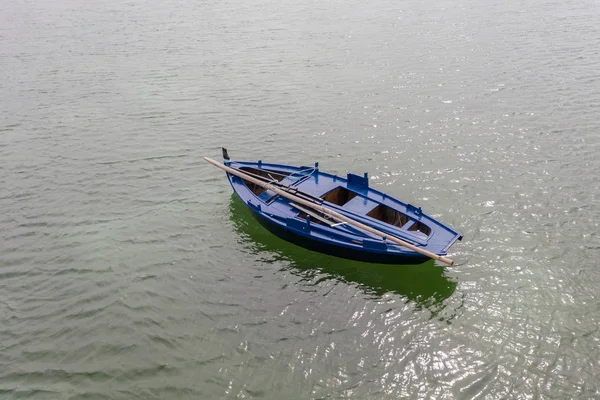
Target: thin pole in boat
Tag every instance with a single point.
(328, 211)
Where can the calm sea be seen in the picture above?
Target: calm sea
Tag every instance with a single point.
(129, 270)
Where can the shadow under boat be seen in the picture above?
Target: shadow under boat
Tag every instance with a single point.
(423, 283)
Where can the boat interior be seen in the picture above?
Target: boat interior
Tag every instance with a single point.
(264, 173)
(341, 196)
(389, 215)
(396, 218)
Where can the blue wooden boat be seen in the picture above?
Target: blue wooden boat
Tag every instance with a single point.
(351, 197)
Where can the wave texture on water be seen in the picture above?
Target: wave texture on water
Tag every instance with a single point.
(128, 270)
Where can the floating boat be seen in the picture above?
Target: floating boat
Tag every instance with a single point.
(339, 216)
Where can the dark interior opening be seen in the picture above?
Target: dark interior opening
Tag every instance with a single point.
(420, 227)
(264, 173)
(339, 196)
(257, 190)
(390, 216)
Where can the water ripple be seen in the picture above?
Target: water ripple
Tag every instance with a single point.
(128, 271)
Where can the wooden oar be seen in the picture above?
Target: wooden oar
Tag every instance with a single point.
(328, 211)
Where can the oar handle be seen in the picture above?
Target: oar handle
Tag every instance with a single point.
(328, 211)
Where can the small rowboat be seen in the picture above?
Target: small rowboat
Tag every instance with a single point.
(339, 216)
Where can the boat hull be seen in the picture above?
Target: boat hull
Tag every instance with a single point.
(333, 250)
(351, 197)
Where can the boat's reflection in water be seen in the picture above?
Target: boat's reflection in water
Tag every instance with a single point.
(424, 283)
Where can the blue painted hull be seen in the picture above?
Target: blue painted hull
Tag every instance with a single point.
(336, 251)
(350, 196)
